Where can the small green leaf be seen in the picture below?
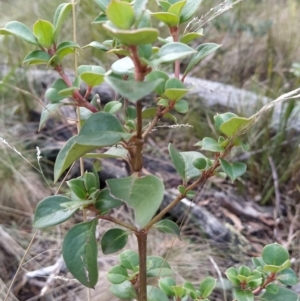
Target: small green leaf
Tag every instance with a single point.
(287, 277)
(171, 52)
(158, 266)
(188, 37)
(190, 289)
(275, 254)
(174, 83)
(235, 125)
(233, 170)
(168, 226)
(131, 89)
(181, 106)
(124, 290)
(139, 8)
(91, 75)
(165, 284)
(244, 271)
(177, 161)
(113, 241)
(105, 201)
(200, 163)
(155, 294)
(123, 66)
(19, 30)
(203, 50)
(177, 7)
(129, 259)
(210, 144)
(190, 170)
(277, 269)
(60, 16)
(44, 31)
(189, 9)
(132, 37)
(90, 181)
(283, 294)
(258, 262)
(80, 253)
(207, 285)
(272, 288)
(221, 118)
(69, 153)
(143, 194)
(77, 187)
(97, 45)
(175, 94)
(112, 107)
(231, 274)
(66, 48)
(165, 5)
(166, 17)
(102, 129)
(47, 111)
(120, 13)
(49, 212)
(37, 57)
(243, 295)
(156, 74)
(102, 4)
(117, 274)
(52, 94)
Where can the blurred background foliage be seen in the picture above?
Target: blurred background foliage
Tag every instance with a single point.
(260, 52)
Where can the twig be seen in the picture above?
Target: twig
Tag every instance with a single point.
(220, 276)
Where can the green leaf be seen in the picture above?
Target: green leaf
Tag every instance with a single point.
(143, 194)
(70, 152)
(283, 294)
(90, 181)
(174, 83)
(44, 31)
(101, 129)
(243, 295)
(200, 163)
(181, 106)
(155, 294)
(52, 94)
(19, 30)
(233, 170)
(171, 52)
(113, 241)
(123, 66)
(157, 74)
(77, 187)
(258, 262)
(190, 170)
(190, 289)
(203, 50)
(49, 212)
(175, 94)
(112, 107)
(131, 89)
(189, 9)
(91, 75)
(235, 125)
(165, 284)
(166, 17)
(244, 271)
(80, 253)
(179, 291)
(37, 57)
(129, 259)
(97, 45)
(272, 288)
(117, 274)
(190, 36)
(287, 277)
(151, 112)
(132, 37)
(275, 254)
(231, 274)
(221, 118)
(60, 16)
(165, 5)
(177, 161)
(158, 266)
(113, 152)
(47, 111)
(139, 8)
(207, 285)
(277, 269)
(66, 48)
(120, 13)
(210, 144)
(177, 7)
(105, 201)
(124, 290)
(168, 226)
